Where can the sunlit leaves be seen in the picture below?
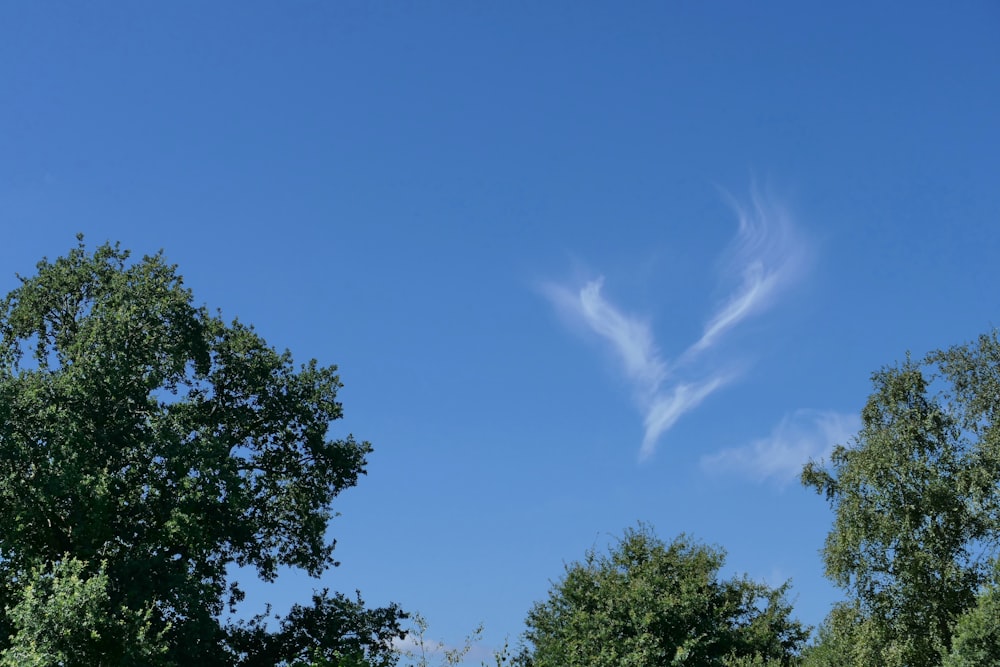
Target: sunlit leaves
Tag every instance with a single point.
(647, 603)
(915, 500)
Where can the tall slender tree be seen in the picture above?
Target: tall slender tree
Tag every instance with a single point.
(916, 500)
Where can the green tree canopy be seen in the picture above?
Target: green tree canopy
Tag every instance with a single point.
(976, 640)
(650, 604)
(916, 500)
(65, 617)
(146, 446)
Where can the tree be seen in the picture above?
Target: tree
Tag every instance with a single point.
(647, 603)
(145, 446)
(976, 641)
(65, 618)
(846, 639)
(916, 501)
(335, 631)
(417, 650)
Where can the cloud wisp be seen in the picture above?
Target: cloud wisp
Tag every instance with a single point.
(415, 646)
(765, 258)
(631, 338)
(667, 407)
(798, 438)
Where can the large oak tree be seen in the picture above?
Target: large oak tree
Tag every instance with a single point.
(146, 447)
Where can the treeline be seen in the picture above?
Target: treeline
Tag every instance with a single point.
(914, 546)
(147, 445)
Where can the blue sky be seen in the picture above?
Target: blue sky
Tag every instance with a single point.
(580, 264)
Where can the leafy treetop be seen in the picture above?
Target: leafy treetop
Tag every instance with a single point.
(648, 604)
(158, 445)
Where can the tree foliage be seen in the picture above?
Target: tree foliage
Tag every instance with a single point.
(146, 445)
(335, 630)
(976, 640)
(916, 501)
(647, 603)
(65, 617)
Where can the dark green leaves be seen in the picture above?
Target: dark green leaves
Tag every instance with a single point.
(140, 432)
(334, 630)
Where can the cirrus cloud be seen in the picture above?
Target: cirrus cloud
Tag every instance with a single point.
(799, 437)
(766, 257)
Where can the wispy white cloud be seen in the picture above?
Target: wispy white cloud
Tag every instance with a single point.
(667, 408)
(414, 647)
(630, 337)
(766, 256)
(798, 438)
